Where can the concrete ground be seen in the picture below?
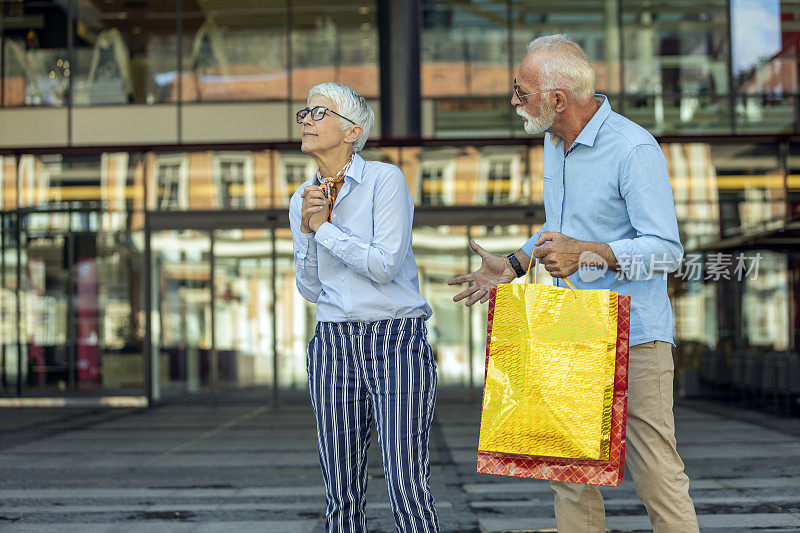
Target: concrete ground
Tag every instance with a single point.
(241, 465)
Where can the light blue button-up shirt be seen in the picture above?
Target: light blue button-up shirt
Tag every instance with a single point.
(359, 267)
(612, 186)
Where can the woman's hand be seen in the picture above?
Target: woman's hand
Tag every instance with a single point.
(315, 209)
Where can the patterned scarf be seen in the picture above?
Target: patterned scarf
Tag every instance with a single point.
(329, 184)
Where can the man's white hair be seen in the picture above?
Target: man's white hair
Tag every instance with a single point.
(566, 66)
(349, 104)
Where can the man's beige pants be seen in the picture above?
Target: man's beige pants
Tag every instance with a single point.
(650, 454)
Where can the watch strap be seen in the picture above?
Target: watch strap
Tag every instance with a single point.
(512, 258)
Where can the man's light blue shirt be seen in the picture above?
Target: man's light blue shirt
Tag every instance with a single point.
(612, 186)
(359, 267)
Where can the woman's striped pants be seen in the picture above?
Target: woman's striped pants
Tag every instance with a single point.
(385, 370)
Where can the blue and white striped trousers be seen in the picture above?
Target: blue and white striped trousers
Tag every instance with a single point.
(385, 370)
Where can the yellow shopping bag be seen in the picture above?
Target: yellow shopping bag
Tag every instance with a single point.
(550, 375)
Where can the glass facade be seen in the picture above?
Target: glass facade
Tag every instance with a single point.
(224, 309)
(72, 258)
(124, 56)
(232, 52)
(153, 52)
(675, 67)
(133, 270)
(35, 65)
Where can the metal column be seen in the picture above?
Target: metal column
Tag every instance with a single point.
(18, 272)
(151, 378)
(274, 319)
(399, 23)
(3, 377)
(214, 353)
(470, 329)
(18, 290)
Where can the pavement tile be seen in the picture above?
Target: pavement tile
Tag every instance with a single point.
(241, 467)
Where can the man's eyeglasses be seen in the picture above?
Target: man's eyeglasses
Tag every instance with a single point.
(318, 113)
(522, 96)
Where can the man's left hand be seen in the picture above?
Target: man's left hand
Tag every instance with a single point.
(561, 255)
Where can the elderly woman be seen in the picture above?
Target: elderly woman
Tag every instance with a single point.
(369, 357)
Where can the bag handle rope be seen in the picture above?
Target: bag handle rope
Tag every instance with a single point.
(536, 268)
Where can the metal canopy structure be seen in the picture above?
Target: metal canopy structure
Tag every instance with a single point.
(205, 220)
(781, 238)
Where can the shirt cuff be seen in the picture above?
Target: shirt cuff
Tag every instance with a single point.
(306, 246)
(327, 236)
(347, 248)
(530, 246)
(623, 253)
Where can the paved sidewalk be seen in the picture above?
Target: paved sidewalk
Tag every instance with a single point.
(243, 466)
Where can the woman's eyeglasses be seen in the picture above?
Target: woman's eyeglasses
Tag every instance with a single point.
(318, 113)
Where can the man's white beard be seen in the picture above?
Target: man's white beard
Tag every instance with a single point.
(535, 126)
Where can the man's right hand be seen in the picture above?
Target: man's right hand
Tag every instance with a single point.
(493, 271)
(314, 201)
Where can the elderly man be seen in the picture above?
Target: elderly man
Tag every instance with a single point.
(608, 205)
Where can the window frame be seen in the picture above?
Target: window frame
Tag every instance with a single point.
(182, 162)
(248, 178)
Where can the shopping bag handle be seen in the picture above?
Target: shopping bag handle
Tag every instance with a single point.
(536, 268)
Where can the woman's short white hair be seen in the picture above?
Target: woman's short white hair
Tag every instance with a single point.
(566, 66)
(349, 104)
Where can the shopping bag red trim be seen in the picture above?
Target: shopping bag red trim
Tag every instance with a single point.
(609, 472)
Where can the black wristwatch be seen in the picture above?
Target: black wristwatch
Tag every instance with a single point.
(512, 258)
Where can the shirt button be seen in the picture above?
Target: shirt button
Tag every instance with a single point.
(342, 278)
(345, 295)
(348, 316)
(326, 240)
(333, 215)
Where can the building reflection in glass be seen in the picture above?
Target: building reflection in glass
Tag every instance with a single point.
(225, 310)
(727, 66)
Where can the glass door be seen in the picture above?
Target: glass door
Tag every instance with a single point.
(48, 331)
(214, 309)
(226, 314)
(295, 317)
(60, 326)
(76, 328)
(243, 308)
(181, 325)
